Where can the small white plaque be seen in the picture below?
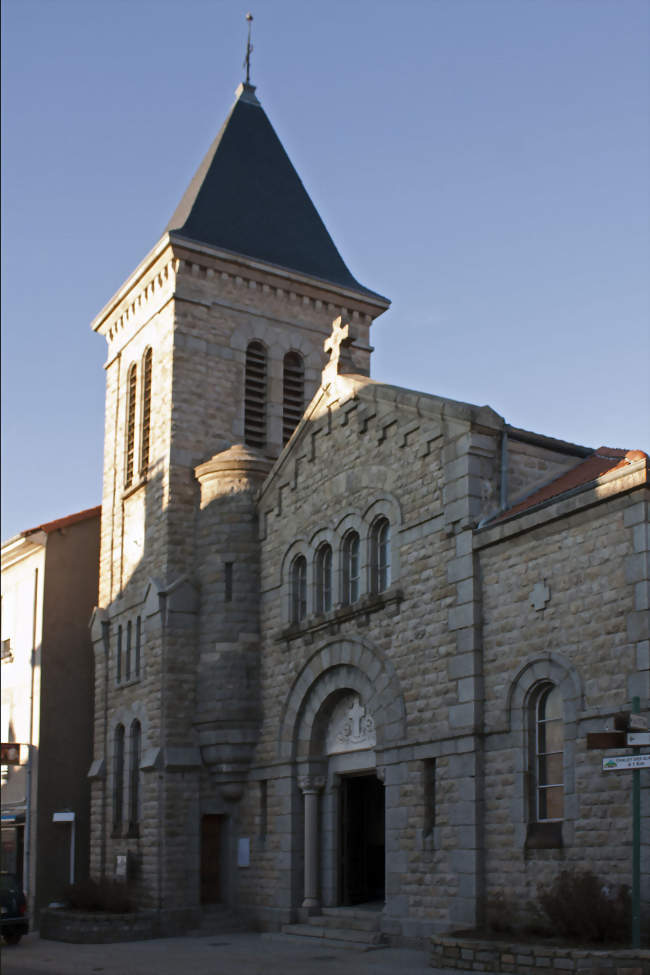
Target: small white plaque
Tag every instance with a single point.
(638, 738)
(244, 852)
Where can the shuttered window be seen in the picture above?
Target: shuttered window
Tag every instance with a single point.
(131, 385)
(145, 434)
(293, 393)
(255, 396)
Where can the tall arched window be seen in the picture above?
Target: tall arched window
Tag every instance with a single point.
(138, 645)
(298, 589)
(145, 431)
(547, 755)
(380, 555)
(118, 776)
(127, 656)
(350, 575)
(131, 391)
(323, 579)
(134, 777)
(255, 396)
(118, 656)
(293, 393)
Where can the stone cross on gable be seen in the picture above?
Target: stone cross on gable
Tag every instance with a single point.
(337, 345)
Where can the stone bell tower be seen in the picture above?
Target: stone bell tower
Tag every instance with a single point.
(215, 347)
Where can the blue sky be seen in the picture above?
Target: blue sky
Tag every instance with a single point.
(483, 163)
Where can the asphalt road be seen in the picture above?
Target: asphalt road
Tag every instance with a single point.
(230, 954)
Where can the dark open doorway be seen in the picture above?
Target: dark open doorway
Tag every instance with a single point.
(211, 845)
(362, 832)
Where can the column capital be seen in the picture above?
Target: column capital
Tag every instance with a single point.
(311, 783)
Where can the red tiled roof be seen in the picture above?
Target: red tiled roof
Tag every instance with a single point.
(52, 526)
(604, 460)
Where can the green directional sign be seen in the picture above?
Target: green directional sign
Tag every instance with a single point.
(625, 762)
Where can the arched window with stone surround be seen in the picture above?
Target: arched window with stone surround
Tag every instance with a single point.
(129, 453)
(135, 746)
(255, 396)
(546, 754)
(298, 589)
(118, 777)
(293, 393)
(350, 574)
(145, 426)
(380, 555)
(323, 579)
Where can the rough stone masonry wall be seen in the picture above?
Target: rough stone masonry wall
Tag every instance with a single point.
(379, 450)
(582, 634)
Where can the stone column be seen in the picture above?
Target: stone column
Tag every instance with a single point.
(310, 787)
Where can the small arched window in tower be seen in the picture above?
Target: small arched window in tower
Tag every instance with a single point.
(293, 393)
(323, 579)
(350, 568)
(145, 432)
(131, 390)
(298, 589)
(255, 396)
(380, 555)
(134, 778)
(118, 776)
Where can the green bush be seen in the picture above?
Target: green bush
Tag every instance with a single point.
(112, 896)
(578, 905)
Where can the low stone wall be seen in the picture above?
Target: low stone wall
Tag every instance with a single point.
(521, 958)
(79, 927)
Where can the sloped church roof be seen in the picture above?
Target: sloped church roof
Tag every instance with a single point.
(247, 197)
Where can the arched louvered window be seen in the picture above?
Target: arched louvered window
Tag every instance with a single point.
(131, 391)
(134, 777)
(324, 579)
(293, 393)
(255, 396)
(380, 555)
(350, 567)
(298, 589)
(118, 776)
(145, 432)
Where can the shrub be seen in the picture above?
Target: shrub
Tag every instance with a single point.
(112, 896)
(579, 905)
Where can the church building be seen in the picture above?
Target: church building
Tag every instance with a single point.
(350, 638)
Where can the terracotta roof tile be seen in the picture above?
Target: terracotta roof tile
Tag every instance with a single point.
(52, 526)
(604, 460)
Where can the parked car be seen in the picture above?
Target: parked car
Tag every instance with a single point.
(14, 922)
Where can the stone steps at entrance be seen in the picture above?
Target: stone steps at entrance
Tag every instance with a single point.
(341, 927)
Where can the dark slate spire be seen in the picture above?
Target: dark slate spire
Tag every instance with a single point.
(246, 197)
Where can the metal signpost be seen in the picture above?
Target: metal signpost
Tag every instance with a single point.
(630, 732)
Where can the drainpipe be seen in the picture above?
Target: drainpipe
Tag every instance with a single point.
(30, 750)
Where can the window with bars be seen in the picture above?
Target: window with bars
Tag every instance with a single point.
(350, 574)
(118, 776)
(323, 579)
(134, 777)
(380, 555)
(255, 396)
(145, 431)
(293, 393)
(547, 755)
(129, 460)
(298, 589)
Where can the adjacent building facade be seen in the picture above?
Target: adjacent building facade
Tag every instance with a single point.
(49, 590)
(350, 638)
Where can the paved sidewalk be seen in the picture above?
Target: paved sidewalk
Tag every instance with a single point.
(227, 954)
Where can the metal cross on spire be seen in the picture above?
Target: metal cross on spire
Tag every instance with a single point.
(249, 50)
